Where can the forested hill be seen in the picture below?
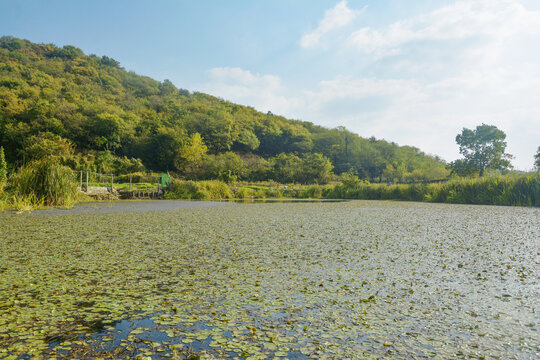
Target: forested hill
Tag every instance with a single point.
(94, 114)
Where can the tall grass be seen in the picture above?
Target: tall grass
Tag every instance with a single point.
(201, 190)
(3, 169)
(45, 182)
(514, 190)
(4, 202)
(23, 203)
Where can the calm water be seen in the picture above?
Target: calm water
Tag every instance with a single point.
(302, 280)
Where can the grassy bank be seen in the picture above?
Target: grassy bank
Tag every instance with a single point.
(513, 190)
(48, 183)
(219, 190)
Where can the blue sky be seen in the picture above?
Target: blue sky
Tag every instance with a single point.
(413, 72)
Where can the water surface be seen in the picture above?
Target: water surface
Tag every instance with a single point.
(355, 279)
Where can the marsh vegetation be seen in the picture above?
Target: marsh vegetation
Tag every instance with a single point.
(359, 279)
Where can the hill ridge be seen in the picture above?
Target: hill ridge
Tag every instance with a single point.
(98, 115)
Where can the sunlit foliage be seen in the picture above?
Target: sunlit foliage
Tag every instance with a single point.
(83, 107)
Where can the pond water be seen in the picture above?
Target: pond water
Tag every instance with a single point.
(299, 280)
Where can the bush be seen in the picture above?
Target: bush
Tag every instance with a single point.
(245, 193)
(311, 192)
(202, 190)
(46, 181)
(215, 189)
(24, 203)
(180, 189)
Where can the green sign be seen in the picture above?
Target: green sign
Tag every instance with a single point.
(165, 180)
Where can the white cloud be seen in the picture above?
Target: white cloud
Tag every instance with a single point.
(429, 115)
(468, 63)
(338, 16)
(244, 79)
(493, 19)
(263, 92)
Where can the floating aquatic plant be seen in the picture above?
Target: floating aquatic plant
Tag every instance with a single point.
(280, 280)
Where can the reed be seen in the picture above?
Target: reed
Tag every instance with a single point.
(45, 182)
(512, 190)
(23, 203)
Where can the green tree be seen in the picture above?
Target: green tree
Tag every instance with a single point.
(96, 105)
(106, 131)
(226, 166)
(191, 154)
(3, 169)
(483, 148)
(537, 159)
(462, 167)
(258, 167)
(47, 145)
(315, 168)
(285, 167)
(163, 147)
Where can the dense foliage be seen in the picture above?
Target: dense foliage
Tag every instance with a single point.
(483, 149)
(93, 114)
(537, 159)
(509, 190)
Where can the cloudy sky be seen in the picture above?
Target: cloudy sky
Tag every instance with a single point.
(414, 72)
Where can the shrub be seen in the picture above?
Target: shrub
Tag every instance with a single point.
(311, 192)
(202, 190)
(4, 203)
(215, 189)
(180, 189)
(245, 193)
(46, 181)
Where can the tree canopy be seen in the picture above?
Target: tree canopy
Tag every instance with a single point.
(97, 114)
(483, 148)
(537, 159)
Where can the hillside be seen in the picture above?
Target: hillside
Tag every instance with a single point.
(94, 114)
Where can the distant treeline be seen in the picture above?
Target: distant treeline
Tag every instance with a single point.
(93, 115)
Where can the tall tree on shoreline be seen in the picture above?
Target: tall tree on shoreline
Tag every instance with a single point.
(483, 149)
(537, 159)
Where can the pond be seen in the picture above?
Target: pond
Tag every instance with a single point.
(334, 280)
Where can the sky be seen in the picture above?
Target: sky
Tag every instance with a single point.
(415, 72)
